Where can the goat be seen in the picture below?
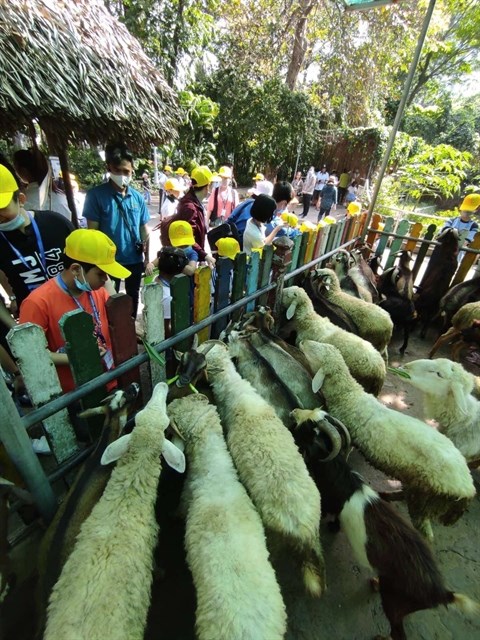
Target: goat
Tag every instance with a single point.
(464, 328)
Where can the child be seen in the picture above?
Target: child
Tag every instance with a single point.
(171, 262)
(262, 212)
(180, 234)
(174, 191)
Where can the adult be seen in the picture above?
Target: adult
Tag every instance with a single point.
(147, 186)
(321, 180)
(297, 184)
(223, 199)
(121, 213)
(88, 257)
(163, 176)
(190, 209)
(31, 242)
(174, 190)
(329, 198)
(464, 222)
(343, 183)
(42, 194)
(308, 189)
(263, 211)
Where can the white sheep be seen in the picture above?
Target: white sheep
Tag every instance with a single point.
(269, 465)
(103, 592)
(448, 399)
(434, 474)
(238, 596)
(373, 323)
(363, 360)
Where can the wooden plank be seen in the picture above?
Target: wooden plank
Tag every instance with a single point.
(85, 362)
(389, 224)
(347, 225)
(312, 237)
(422, 252)
(303, 249)
(297, 242)
(19, 449)
(180, 287)
(121, 327)
(338, 234)
(371, 235)
(29, 346)
(415, 232)
(402, 230)
(202, 299)
(362, 227)
(152, 295)
(318, 244)
(331, 238)
(221, 298)
(265, 271)
(253, 268)
(467, 261)
(325, 235)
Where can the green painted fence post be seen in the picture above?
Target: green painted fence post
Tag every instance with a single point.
(265, 270)
(239, 281)
(180, 287)
(252, 277)
(222, 293)
(153, 320)
(297, 241)
(382, 243)
(402, 230)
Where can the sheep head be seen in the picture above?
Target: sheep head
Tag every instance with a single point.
(293, 297)
(441, 378)
(324, 281)
(325, 360)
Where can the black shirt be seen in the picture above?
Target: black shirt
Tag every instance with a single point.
(23, 278)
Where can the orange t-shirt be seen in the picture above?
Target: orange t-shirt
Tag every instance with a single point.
(47, 304)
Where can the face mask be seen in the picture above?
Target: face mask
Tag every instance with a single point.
(83, 286)
(14, 223)
(120, 181)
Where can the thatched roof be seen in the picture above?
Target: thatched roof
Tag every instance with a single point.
(76, 69)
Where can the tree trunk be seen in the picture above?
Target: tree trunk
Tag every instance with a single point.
(299, 44)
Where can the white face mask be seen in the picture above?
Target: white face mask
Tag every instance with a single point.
(120, 181)
(14, 223)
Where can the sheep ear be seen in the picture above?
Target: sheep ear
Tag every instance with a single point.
(173, 456)
(460, 396)
(291, 310)
(317, 381)
(115, 450)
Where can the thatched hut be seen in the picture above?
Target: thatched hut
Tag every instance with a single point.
(78, 72)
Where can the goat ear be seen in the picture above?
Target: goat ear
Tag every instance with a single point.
(460, 396)
(94, 411)
(291, 310)
(317, 381)
(115, 450)
(195, 341)
(173, 456)
(177, 354)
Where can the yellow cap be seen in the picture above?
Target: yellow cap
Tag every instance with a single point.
(180, 234)
(258, 176)
(168, 168)
(8, 186)
(94, 247)
(172, 184)
(329, 220)
(228, 247)
(181, 171)
(225, 172)
(289, 218)
(307, 226)
(201, 176)
(354, 207)
(470, 202)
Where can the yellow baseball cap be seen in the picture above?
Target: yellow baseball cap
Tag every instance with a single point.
(94, 247)
(258, 176)
(172, 184)
(289, 218)
(354, 207)
(180, 234)
(228, 247)
(225, 172)
(8, 186)
(307, 226)
(180, 171)
(201, 176)
(470, 202)
(168, 168)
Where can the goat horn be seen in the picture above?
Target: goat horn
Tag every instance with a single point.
(335, 438)
(343, 431)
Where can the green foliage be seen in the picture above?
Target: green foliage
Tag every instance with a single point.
(87, 166)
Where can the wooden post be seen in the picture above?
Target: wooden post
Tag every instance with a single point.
(402, 230)
(265, 269)
(180, 286)
(312, 237)
(382, 243)
(152, 296)
(281, 262)
(239, 281)
(121, 327)
(221, 298)
(297, 242)
(252, 277)
(29, 346)
(303, 249)
(415, 232)
(201, 300)
(19, 448)
(422, 252)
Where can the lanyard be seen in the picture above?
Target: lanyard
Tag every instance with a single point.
(96, 316)
(39, 240)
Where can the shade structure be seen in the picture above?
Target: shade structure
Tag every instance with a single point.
(77, 70)
(358, 5)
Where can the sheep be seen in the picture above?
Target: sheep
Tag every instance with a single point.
(382, 540)
(448, 399)
(341, 263)
(374, 324)
(104, 590)
(238, 596)
(434, 474)
(363, 360)
(466, 319)
(269, 465)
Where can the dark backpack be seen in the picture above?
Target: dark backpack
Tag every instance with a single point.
(225, 230)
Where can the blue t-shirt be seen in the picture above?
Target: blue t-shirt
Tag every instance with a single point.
(190, 253)
(460, 225)
(101, 205)
(241, 215)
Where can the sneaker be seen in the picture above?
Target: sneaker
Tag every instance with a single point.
(41, 446)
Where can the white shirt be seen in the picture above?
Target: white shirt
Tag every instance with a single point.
(53, 201)
(168, 208)
(321, 180)
(253, 236)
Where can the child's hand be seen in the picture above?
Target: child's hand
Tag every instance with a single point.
(149, 267)
(210, 260)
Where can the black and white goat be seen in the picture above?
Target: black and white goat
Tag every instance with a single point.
(409, 579)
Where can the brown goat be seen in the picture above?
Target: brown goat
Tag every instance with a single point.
(465, 330)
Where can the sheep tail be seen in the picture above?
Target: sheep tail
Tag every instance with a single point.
(465, 604)
(313, 569)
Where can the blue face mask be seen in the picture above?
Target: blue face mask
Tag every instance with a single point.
(13, 224)
(83, 286)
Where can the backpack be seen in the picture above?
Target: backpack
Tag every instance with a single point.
(225, 230)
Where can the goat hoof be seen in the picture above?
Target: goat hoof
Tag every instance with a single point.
(375, 584)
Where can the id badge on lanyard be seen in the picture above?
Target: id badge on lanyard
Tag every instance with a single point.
(41, 250)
